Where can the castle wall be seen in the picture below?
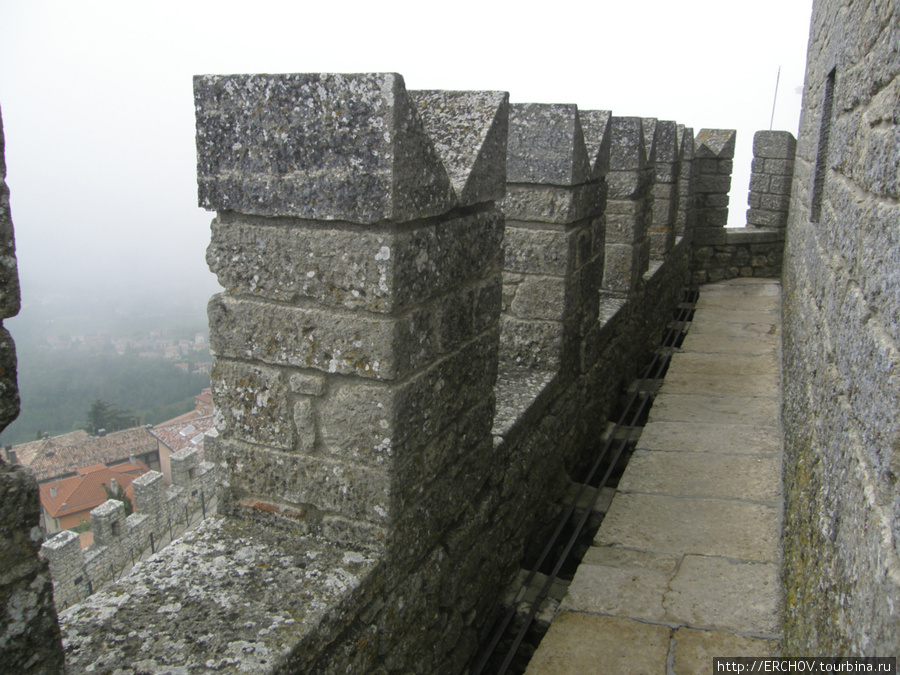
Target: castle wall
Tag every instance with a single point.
(120, 541)
(29, 631)
(842, 340)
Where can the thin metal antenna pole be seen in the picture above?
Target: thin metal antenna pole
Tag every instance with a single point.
(775, 98)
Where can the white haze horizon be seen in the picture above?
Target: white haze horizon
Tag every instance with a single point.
(97, 103)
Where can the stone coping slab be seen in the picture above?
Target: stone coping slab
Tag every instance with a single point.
(711, 438)
(711, 384)
(516, 391)
(714, 527)
(234, 594)
(698, 474)
(756, 410)
(699, 591)
(585, 643)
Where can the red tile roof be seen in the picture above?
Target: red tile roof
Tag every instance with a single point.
(84, 491)
(65, 454)
(186, 433)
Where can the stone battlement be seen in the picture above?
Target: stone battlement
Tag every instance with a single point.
(431, 301)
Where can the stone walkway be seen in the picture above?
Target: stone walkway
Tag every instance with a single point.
(686, 564)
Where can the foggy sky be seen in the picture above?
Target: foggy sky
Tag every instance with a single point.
(99, 120)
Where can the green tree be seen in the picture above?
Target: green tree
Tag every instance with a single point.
(119, 495)
(103, 415)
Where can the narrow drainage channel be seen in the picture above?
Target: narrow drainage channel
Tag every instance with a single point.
(543, 583)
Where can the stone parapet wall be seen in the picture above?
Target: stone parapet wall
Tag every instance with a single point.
(713, 164)
(770, 179)
(553, 235)
(665, 192)
(758, 249)
(120, 541)
(842, 340)
(29, 631)
(628, 209)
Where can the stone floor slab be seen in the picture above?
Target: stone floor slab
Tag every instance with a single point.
(715, 314)
(715, 527)
(696, 649)
(734, 364)
(615, 556)
(583, 643)
(711, 438)
(618, 591)
(725, 594)
(697, 474)
(728, 344)
(756, 410)
(752, 302)
(766, 289)
(764, 384)
(769, 331)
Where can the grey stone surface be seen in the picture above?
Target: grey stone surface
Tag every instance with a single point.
(840, 440)
(546, 145)
(618, 591)
(469, 130)
(552, 203)
(698, 474)
(29, 632)
(667, 141)
(726, 594)
(381, 270)
(582, 643)
(9, 275)
(715, 143)
(764, 384)
(355, 150)
(696, 649)
(711, 437)
(597, 139)
(650, 138)
(755, 410)
(628, 152)
(712, 527)
(298, 586)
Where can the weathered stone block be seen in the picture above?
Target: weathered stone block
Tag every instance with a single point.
(469, 130)
(597, 139)
(780, 185)
(254, 403)
(304, 425)
(774, 145)
(650, 138)
(759, 182)
(530, 343)
(552, 204)
(667, 141)
(705, 183)
(775, 202)
(355, 150)
(540, 298)
(380, 270)
(624, 229)
(310, 384)
(546, 145)
(627, 152)
(368, 345)
(627, 184)
(625, 264)
(535, 251)
(715, 143)
(781, 167)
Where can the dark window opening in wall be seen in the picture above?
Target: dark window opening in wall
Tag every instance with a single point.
(822, 152)
(116, 529)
